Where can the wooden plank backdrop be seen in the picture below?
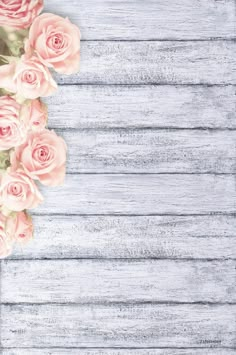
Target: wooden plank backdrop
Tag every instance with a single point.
(136, 253)
(74, 351)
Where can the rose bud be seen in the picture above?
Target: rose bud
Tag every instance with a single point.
(35, 113)
(6, 243)
(12, 129)
(19, 227)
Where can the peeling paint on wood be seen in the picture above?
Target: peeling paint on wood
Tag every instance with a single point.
(118, 106)
(83, 281)
(120, 325)
(141, 194)
(207, 62)
(173, 237)
(152, 19)
(150, 151)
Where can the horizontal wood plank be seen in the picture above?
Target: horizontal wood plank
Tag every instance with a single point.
(130, 19)
(207, 62)
(141, 194)
(97, 106)
(174, 237)
(76, 351)
(118, 325)
(150, 151)
(92, 281)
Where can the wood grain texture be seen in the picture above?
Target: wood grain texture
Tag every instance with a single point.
(76, 351)
(118, 325)
(207, 62)
(153, 64)
(156, 19)
(141, 194)
(174, 237)
(94, 281)
(98, 106)
(150, 151)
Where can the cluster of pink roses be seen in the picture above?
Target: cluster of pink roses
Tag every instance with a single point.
(29, 152)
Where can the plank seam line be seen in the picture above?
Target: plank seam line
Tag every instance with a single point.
(207, 39)
(147, 174)
(142, 128)
(146, 84)
(213, 214)
(122, 259)
(120, 303)
(117, 348)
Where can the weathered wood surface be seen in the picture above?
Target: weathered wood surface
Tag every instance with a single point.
(207, 62)
(154, 19)
(76, 351)
(118, 106)
(94, 281)
(141, 194)
(105, 237)
(187, 304)
(150, 151)
(119, 325)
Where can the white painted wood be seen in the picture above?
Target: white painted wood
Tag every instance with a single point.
(141, 194)
(95, 106)
(92, 281)
(118, 325)
(73, 351)
(154, 19)
(150, 151)
(174, 237)
(207, 62)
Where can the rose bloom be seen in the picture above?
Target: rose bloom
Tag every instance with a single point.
(28, 78)
(12, 129)
(19, 227)
(35, 113)
(19, 14)
(5, 242)
(57, 43)
(43, 157)
(18, 192)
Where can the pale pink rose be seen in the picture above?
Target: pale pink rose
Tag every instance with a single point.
(43, 157)
(5, 242)
(57, 43)
(28, 78)
(19, 227)
(19, 14)
(12, 130)
(18, 192)
(35, 114)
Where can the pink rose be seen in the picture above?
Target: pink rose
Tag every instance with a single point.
(28, 78)
(18, 192)
(19, 227)
(35, 113)
(5, 242)
(57, 43)
(19, 14)
(12, 129)
(43, 157)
